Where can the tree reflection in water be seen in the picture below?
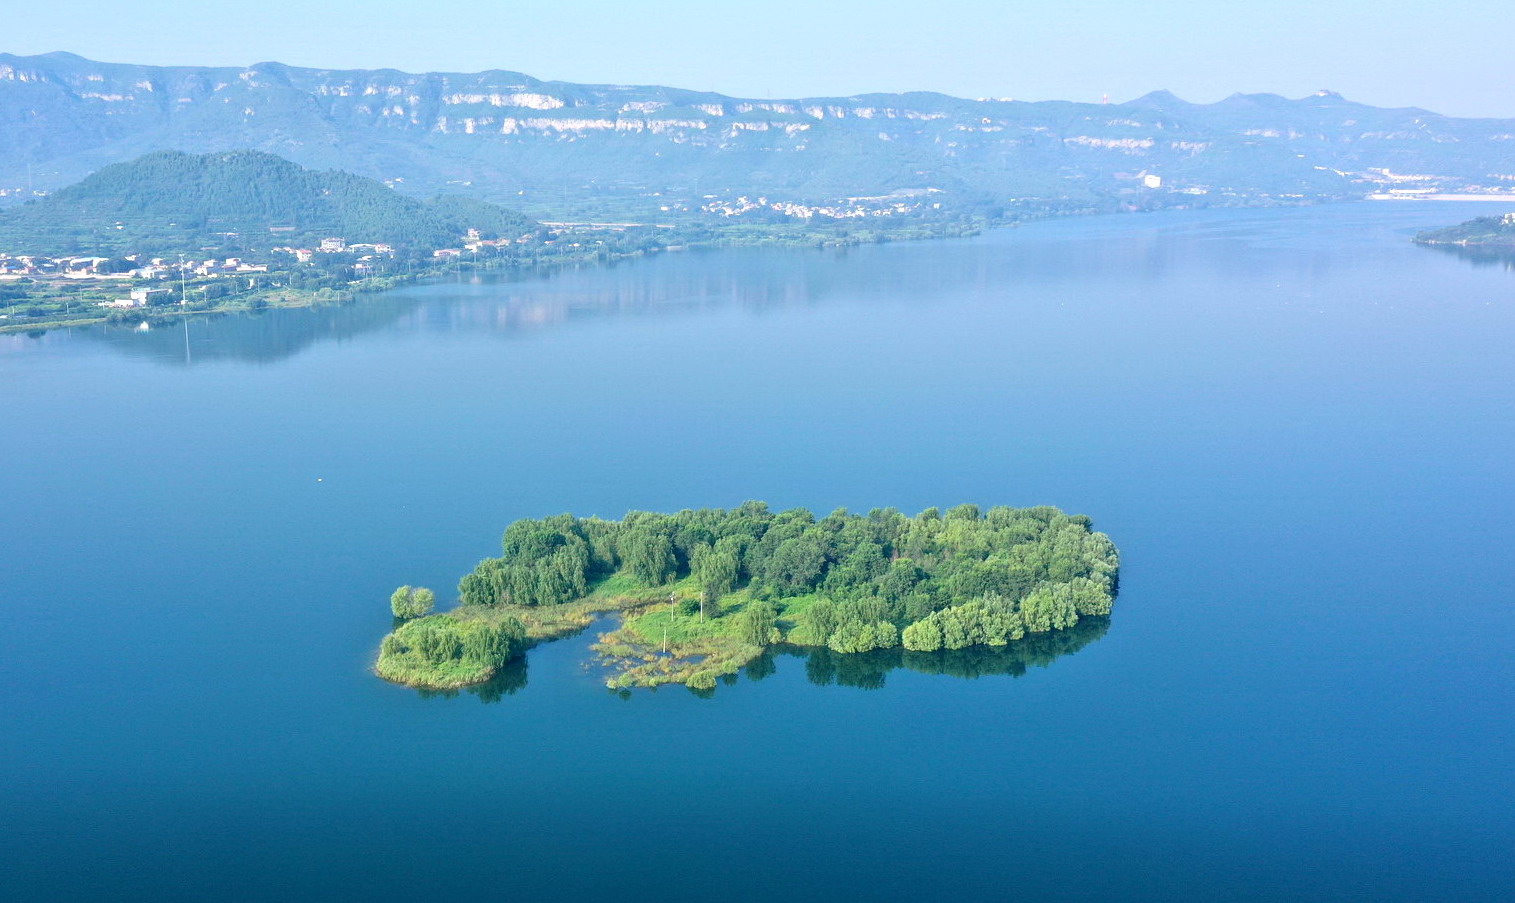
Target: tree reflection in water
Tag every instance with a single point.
(866, 670)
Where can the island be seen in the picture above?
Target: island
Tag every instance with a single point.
(701, 593)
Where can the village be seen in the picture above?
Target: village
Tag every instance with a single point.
(56, 289)
(905, 202)
(138, 274)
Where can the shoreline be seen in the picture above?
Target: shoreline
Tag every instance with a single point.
(279, 298)
(795, 236)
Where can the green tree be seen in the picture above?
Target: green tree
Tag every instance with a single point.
(796, 564)
(924, 635)
(412, 602)
(820, 621)
(399, 602)
(757, 623)
(715, 569)
(422, 601)
(648, 554)
(860, 636)
(1046, 609)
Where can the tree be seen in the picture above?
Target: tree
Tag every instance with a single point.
(820, 621)
(411, 602)
(924, 635)
(422, 601)
(648, 554)
(1046, 609)
(715, 569)
(796, 564)
(757, 623)
(861, 636)
(399, 602)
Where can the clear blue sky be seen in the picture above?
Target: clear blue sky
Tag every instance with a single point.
(1452, 56)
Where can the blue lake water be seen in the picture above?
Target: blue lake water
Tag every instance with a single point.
(1296, 425)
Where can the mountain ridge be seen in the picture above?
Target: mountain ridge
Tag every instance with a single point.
(665, 151)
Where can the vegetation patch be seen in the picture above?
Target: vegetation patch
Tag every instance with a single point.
(452, 650)
(1485, 231)
(705, 592)
(635, 660)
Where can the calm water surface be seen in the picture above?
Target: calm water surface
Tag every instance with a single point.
(1296, 425)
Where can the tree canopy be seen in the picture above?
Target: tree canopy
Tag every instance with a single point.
(852, 582)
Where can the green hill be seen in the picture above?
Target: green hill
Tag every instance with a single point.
(1485, 231)
(170, 201)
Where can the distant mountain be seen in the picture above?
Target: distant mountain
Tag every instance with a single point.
(660, 151)
(170, 199)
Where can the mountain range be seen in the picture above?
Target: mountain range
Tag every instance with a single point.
(656, 151)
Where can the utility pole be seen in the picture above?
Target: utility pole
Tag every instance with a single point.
(673, 599)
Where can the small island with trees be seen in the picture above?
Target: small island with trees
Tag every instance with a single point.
(701, 593)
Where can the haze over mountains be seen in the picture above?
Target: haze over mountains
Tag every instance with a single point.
(657, 151)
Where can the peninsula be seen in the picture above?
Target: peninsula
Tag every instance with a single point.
(1492, 232)
(702, 592)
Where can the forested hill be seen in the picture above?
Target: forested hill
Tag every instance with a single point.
(169, 200)
(558, 146)
(1485, 231)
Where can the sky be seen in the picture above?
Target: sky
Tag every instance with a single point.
(1451, 57)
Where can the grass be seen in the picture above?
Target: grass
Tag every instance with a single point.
(410, 669)
(400, 661)
(695, 662)
(656, 622)
(660, 644)
(543, 623)
(550, 622)
(655, 644)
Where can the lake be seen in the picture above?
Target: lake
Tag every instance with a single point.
(1296, 425)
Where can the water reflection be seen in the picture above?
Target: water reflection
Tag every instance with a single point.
(508, 681)
(254, 336)
(864, 670)
(1503, 258)
(867, 670)
(1101, 256)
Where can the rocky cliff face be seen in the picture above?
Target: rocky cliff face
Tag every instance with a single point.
(505, 135)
